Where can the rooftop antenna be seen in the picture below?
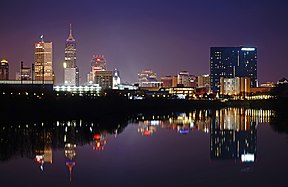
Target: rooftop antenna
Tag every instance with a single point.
(42, 38)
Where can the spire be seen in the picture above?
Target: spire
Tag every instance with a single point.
(70, 30)
(70, 37)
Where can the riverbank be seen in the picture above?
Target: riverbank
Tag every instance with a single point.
(77, 107)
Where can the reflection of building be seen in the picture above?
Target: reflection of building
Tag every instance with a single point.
(70, 146)
(231, 62)
(99, 141)
(233, 135)
(4, 70)
(44, 148)
(43, 61)
(148, 127)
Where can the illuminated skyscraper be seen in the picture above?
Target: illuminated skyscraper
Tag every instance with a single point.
(4, 70)
(116, 79)
(231, 62)
(70, 70)
(98, 63)
(43, 61)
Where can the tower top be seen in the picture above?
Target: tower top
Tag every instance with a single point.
(70, 37)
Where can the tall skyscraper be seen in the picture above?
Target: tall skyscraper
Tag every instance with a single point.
(231, 62)
(4, 70)
(70, 69)
(43, 60)
(98, 63)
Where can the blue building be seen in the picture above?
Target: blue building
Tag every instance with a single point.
(231, 62)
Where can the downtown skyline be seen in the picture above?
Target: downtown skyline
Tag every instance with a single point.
(165, 36)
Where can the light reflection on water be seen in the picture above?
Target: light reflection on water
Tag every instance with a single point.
(232, 135)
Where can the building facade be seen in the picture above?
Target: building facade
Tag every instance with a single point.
(148, 79)
(231, 62)
(43, 61)
(4, 70)
(24, 74)
(98, 63)
(203, 81)
(104, 79)
(235, 86)
(116, 79)
(70, 70)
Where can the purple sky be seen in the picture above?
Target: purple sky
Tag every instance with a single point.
(163, 35)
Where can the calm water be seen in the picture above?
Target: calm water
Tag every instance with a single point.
(228, 147)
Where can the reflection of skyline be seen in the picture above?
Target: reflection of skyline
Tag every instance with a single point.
(43, 148)
(233, 131)
(233, 134)
(70, 146)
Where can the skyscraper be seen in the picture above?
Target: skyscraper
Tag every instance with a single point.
(116, 79)
(98, 63)
(70, 69)
(4, 70)
(43, 60)
(231, 62)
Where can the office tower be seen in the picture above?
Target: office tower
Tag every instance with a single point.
(231, 62)
(43, 61)
(24, 74)
(104, 79)
(116, 79)
(183, 79)
(235, 86)
(4, 70)
(98, 63)
(169, 81)
(147, 78)
(71, 77)
(204, 82)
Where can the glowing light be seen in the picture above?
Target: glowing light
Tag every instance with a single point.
(97, 136)
(247, 157)
(247, 49)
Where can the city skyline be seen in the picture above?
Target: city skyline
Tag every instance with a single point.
(167, 37)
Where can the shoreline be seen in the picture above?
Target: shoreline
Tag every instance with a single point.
(76, 107)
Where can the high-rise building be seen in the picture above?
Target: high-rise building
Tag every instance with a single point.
(204, 82)
(116, 79)
(43, 61)
(231, 62)
(104, 79)
(24, 74)
(98, 63)
(183, 78)
(4, 70)
(71, 77)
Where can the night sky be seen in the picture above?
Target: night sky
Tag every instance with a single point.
(166, 36)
